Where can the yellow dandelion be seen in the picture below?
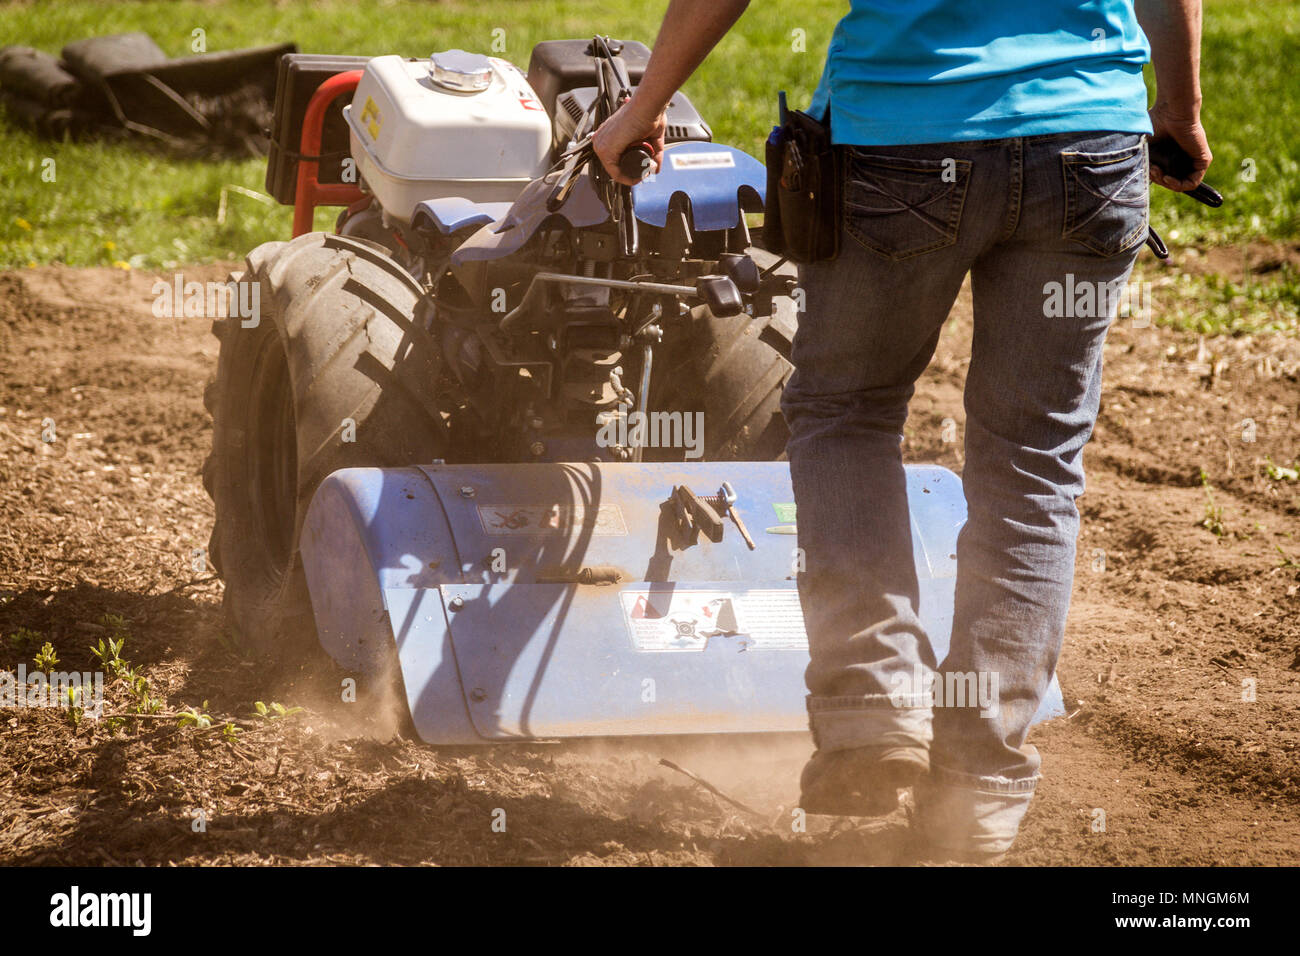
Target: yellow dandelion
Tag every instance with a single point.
(23, 224)
(119, 264)
(110, 245)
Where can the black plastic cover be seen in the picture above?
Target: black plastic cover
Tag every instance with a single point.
(684, 121)
(299, 76)
(557, 66)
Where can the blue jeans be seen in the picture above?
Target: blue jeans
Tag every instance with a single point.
(1048, 227)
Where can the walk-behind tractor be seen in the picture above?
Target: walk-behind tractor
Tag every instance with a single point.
(511, 432)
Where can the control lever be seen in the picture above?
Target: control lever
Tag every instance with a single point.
(704, 512)
(720, 295)
(695, 514)
(726, 501)
(636, 163)
(742, 270)
(573, 161)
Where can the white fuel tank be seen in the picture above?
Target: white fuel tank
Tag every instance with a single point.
(456, 124)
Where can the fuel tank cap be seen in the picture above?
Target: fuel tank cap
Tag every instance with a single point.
(460, 71)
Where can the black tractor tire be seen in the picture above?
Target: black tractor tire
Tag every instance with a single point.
(336, 339)
(733, 370)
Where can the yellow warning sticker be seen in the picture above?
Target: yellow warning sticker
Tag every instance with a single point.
(371, 119)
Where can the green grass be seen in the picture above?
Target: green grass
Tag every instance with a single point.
(1210, 303)
(156, 211)
(116, 203)
(1216, 305)
(1252, 102)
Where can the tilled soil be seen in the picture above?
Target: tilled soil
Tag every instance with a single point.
(1181, 670)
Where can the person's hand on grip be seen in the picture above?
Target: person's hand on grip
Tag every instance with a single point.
(1188, 133)
(625, 130)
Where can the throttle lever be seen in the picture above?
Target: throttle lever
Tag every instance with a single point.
(574, 160)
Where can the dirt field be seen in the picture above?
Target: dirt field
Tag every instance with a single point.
(1169, 618)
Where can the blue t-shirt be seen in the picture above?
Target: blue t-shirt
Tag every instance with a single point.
(934, 71)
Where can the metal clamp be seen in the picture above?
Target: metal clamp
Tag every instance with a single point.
(704, 512)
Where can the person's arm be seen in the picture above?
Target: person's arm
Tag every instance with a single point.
(1173, 28)
(691, 29)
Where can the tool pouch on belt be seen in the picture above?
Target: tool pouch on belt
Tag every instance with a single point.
(801, 215)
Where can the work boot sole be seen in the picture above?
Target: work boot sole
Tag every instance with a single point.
(859, 783)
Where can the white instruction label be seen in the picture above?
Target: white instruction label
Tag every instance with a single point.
(549, 519)
(672, 618)
(702, 160)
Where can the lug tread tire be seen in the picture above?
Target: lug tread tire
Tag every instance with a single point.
(341, 313)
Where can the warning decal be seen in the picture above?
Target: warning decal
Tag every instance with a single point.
(549, 519)
(671, 618)
(371, 118)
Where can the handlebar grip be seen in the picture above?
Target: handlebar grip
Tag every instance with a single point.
(1207, 194)
(637, 162)
(1173, 159)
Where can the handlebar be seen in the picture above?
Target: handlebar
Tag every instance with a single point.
(1173, 159)
(637, 162)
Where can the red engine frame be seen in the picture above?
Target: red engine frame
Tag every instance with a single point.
(310, 191)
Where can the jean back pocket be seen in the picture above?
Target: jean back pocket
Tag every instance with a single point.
(1106, 198)
(901, 207)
